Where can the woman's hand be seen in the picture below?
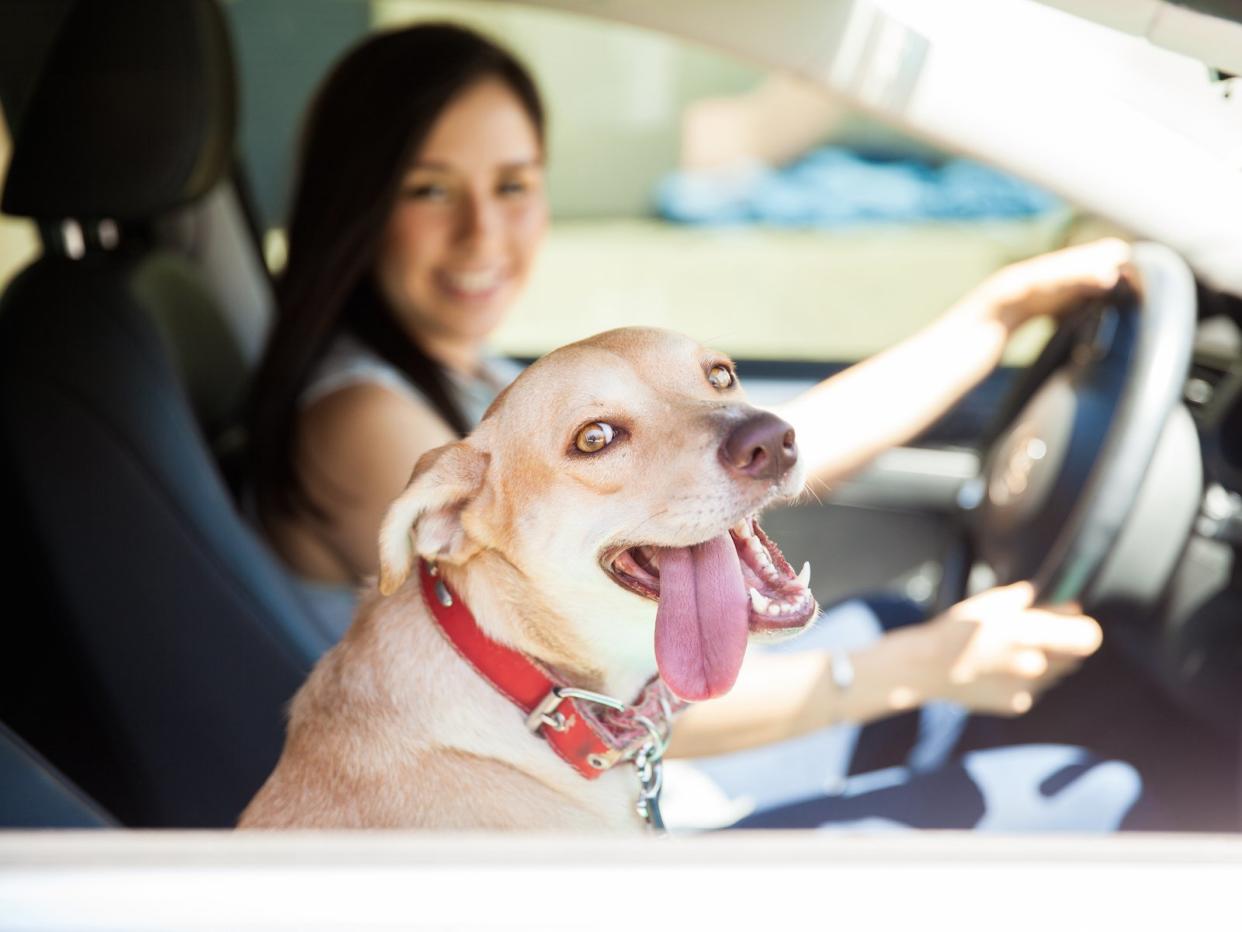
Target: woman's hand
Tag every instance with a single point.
(1053, 283)
(996, 654)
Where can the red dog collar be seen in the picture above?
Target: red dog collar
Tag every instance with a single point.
(591, 732)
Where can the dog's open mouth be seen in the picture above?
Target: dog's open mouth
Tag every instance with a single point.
(712, 596)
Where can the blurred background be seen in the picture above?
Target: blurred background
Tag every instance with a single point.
(689, 189)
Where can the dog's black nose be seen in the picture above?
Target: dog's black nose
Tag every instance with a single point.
(761, 447)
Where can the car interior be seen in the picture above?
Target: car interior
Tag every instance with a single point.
(152, 641)
(160, 573)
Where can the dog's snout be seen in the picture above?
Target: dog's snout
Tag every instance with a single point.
(761, 447)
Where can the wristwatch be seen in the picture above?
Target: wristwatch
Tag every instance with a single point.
(841, 669)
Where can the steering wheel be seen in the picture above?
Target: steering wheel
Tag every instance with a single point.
(1063, 470)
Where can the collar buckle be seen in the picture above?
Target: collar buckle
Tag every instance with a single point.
(545, 714)
(646, 754)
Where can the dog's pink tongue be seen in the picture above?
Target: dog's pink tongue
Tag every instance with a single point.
(702, 622)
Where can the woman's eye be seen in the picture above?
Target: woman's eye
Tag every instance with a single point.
(594, 437)
(721, 377)
(512, 188)
(425, 192)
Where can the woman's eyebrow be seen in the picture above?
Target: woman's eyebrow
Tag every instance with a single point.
(533, 162)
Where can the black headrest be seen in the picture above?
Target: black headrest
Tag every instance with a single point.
(133, 115)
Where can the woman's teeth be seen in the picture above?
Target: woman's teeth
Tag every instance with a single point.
(474, 283)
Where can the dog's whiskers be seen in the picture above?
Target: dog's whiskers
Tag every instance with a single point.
(651, 517)
(809, 492)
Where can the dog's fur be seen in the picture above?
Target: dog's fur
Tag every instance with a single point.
(393, 728)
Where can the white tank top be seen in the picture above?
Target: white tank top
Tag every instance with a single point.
(349, 362)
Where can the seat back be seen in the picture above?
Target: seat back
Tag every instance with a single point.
(178, 629)
(35, 795)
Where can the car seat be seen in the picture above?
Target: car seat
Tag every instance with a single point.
(165, 641)
(37, 796)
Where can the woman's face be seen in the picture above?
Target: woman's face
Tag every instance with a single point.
(469, 218)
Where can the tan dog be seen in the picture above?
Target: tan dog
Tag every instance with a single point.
(599, 520)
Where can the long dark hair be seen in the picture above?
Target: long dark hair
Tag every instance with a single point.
(368, 120)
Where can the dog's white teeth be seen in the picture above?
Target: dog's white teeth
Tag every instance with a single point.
(742, 529)
(804, 578)
(779, 608)
(762, 557)
(758, 601)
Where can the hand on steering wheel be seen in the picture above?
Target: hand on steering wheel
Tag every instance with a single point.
(1057, 282)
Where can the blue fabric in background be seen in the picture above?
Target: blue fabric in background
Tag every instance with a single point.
(834, 186)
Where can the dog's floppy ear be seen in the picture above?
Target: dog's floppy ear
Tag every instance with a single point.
(425, 521)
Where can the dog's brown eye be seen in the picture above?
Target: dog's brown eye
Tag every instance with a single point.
(594, 437)
(721, 377)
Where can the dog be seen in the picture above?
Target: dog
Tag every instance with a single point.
(596, 528)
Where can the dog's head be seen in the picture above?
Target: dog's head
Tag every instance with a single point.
(619, 478)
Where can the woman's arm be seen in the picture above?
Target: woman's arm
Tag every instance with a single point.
(992, 653)
(847, 420)
(355, 450)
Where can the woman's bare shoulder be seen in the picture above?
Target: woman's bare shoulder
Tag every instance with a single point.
(365, 438)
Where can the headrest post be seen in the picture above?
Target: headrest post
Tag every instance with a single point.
(72, 240)
(107, 234)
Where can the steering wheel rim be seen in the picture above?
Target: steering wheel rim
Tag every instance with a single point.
(1128, 356)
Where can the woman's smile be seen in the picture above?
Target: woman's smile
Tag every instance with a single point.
(473, 285)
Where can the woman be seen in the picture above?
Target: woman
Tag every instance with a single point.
(418, 212)
(395, 277)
